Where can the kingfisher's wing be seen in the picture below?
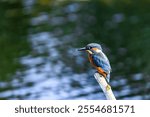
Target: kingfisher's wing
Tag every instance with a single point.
(102, 62)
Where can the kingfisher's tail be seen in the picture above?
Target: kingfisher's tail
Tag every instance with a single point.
(108, 77)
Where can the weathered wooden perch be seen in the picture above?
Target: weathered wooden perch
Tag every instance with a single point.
(105, 86)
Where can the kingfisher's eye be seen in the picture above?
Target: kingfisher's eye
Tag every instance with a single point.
(89, 47)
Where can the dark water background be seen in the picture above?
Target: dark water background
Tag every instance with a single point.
(38, 41)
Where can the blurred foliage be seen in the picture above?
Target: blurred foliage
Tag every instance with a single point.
(13, 37)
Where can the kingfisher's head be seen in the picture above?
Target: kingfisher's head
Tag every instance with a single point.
(91, 48)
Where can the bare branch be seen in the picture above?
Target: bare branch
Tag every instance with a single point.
(105, 86)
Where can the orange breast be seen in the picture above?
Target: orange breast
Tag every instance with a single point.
(99, 69)
(90, 59)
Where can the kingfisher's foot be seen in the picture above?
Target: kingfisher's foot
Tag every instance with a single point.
(100, 74)
(107, 80)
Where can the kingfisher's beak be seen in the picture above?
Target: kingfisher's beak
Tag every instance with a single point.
(85, 49)
(82, 49)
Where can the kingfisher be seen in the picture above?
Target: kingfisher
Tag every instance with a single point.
(98, 59)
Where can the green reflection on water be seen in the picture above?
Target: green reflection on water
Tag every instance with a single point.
(13, 38)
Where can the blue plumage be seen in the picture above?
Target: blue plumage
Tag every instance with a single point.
(102, 62)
